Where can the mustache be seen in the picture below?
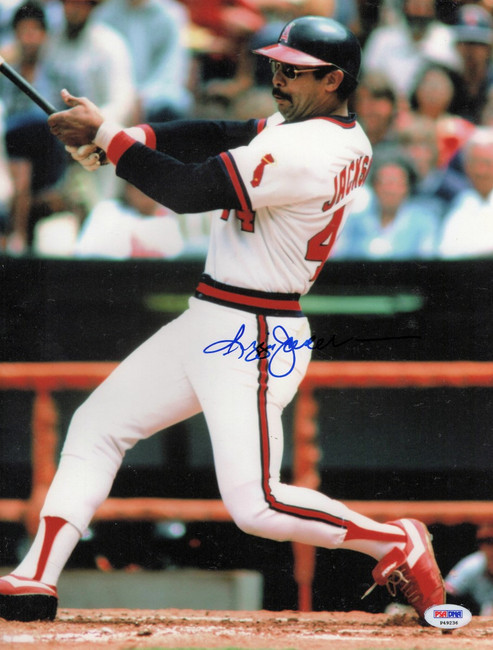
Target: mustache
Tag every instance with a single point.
(280, 95)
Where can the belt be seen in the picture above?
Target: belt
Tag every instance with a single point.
(258, 302)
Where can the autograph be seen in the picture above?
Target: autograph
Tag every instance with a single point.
(284, 347)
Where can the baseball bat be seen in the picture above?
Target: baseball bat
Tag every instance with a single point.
(23, 85)
(11, 74)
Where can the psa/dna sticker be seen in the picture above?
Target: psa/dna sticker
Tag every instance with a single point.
(448, 617)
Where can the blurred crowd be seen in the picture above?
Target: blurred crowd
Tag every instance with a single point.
(425, 100)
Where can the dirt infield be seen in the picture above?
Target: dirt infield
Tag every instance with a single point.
(126, 629)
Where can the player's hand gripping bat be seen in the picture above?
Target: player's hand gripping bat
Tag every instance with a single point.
(97, 155)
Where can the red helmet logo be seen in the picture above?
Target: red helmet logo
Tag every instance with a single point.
(283, 38)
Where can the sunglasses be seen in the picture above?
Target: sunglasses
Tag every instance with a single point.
(288, 70)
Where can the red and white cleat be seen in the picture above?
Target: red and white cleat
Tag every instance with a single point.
(23, 599)
(414, 570)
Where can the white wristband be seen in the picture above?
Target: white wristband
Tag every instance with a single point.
(108, 130)
(106, 133)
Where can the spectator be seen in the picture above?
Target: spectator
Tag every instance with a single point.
(474, 39)
(402, 49)
(221, 30)
(471, 580)
(241, 70)
(36, 159)
(375, 103)
(468, 226)
(154, 31)
(433, 92)
(418, 137)
(133, 226)
(248, 70)
(52, 9)
(390, 226)
(432, 98)
(91, 59)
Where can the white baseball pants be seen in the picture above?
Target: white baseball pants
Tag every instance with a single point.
(170, 378)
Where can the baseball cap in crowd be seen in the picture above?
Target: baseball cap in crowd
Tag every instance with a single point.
(474, 25)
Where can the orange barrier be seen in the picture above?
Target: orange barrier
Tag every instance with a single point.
(45, 378)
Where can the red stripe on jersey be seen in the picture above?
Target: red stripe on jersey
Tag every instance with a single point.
(120, 143)
(150, 135)
(353, 530)
(261, 124)
(248, 301)
(235, 179)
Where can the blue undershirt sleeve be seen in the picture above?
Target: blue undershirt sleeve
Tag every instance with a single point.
(185, 187)
(197, 140)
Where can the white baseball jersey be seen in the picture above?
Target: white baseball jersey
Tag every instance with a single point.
(296, 183)
(284, 194)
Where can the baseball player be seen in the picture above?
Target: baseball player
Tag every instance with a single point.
(470, 581)
(282, 188)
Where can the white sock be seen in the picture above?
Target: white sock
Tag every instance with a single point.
(50, 551)
(376, 549)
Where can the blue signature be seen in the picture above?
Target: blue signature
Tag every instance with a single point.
(284, 346)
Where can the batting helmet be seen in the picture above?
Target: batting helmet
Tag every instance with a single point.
(316, 41)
